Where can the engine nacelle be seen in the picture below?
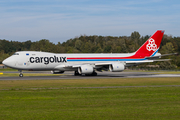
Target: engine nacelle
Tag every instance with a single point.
(85, 69)
(57, 72)
(116, 67)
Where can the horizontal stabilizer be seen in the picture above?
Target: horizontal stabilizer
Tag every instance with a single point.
(159, 56)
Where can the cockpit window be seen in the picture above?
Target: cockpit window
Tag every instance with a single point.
(16, 54)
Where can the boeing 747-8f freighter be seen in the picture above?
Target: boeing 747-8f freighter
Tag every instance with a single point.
(85, 63)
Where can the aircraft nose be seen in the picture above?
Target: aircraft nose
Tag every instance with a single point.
(7, 62)
(4, 62)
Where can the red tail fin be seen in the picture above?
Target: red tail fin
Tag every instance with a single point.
(151, 46)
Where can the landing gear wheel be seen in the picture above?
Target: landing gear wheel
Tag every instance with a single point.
(20, 75)
(76, 73)
(93, 74)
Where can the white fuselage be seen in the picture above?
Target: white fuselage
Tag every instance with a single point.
(31, 60)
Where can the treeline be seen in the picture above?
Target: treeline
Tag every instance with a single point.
(96, 44)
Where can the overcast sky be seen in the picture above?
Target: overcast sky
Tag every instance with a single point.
(60, 20)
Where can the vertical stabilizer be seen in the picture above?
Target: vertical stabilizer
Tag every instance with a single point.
(151, 46)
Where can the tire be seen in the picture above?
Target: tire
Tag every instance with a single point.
(20, 75)
(76, 73)
(93, 74)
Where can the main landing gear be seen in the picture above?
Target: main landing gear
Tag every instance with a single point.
(93, 74)
(20, 74)
(76, 73)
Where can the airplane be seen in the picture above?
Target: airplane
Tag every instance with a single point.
(86, 64)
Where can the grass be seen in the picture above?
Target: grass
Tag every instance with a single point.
(72, 83)
(71, 100)
(127, 103)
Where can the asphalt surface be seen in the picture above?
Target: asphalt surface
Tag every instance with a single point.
(70, 75)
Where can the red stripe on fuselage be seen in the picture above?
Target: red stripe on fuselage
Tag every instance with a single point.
(79, 58)
(135, 56)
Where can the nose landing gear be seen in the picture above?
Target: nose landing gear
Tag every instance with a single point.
(20, 74)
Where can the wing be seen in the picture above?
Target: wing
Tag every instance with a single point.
(99, 66)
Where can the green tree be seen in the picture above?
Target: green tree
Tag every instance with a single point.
(135, 35)
(167, 48)
(167, 65)
(78, 44)
(135, 41)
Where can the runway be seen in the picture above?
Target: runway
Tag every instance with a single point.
(70, 75)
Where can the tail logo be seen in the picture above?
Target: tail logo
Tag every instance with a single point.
(151, 45)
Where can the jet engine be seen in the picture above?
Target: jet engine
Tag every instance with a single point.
(85, 69)
(57, 72)
(116, 67)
